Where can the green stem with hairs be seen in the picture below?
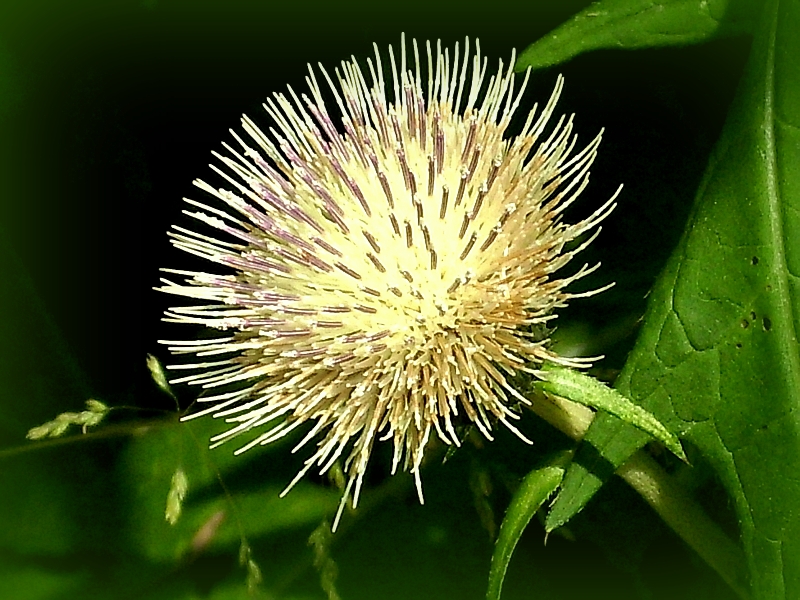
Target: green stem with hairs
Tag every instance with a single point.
(660, 490)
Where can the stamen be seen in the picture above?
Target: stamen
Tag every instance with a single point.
(443, 204)
(345, 269)
(329, 324)
(495, 169)
(473, 127)
(431, 174)
(438, 141)
(387, 190)
(376, 262)
(395, 226)
(326, 246)
(427, 237)
(473, 164)
(462, 185)
(464, 225)
(478, 202)
(489, 239)
(469, 246)
(335, 309)
(370, 291)
(418, 207)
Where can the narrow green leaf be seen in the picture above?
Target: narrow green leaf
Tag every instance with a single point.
(640, 24)
(536, 487)
(718, 359)
(586, 390)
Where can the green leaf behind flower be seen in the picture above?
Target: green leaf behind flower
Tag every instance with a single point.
(717, 359)
(630, 24)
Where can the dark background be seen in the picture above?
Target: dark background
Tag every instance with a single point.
(108, 111)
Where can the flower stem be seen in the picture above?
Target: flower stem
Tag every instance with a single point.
(686, 518)
(661, 491)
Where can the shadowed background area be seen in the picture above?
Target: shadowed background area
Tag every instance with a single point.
(108, 111)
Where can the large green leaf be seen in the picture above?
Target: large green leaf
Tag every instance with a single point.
(640, 24)
(717, 359)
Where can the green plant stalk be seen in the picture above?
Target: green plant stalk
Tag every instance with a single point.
(660, 491)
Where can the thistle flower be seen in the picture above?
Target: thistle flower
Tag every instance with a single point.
(386, 269)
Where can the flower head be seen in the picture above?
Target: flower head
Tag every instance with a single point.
(386, 269)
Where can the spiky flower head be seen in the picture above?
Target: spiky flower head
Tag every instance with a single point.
(386, 269)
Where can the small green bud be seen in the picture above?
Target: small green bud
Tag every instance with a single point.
(254, 576)
(177, 493)
(95, 413)
(158, 374)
